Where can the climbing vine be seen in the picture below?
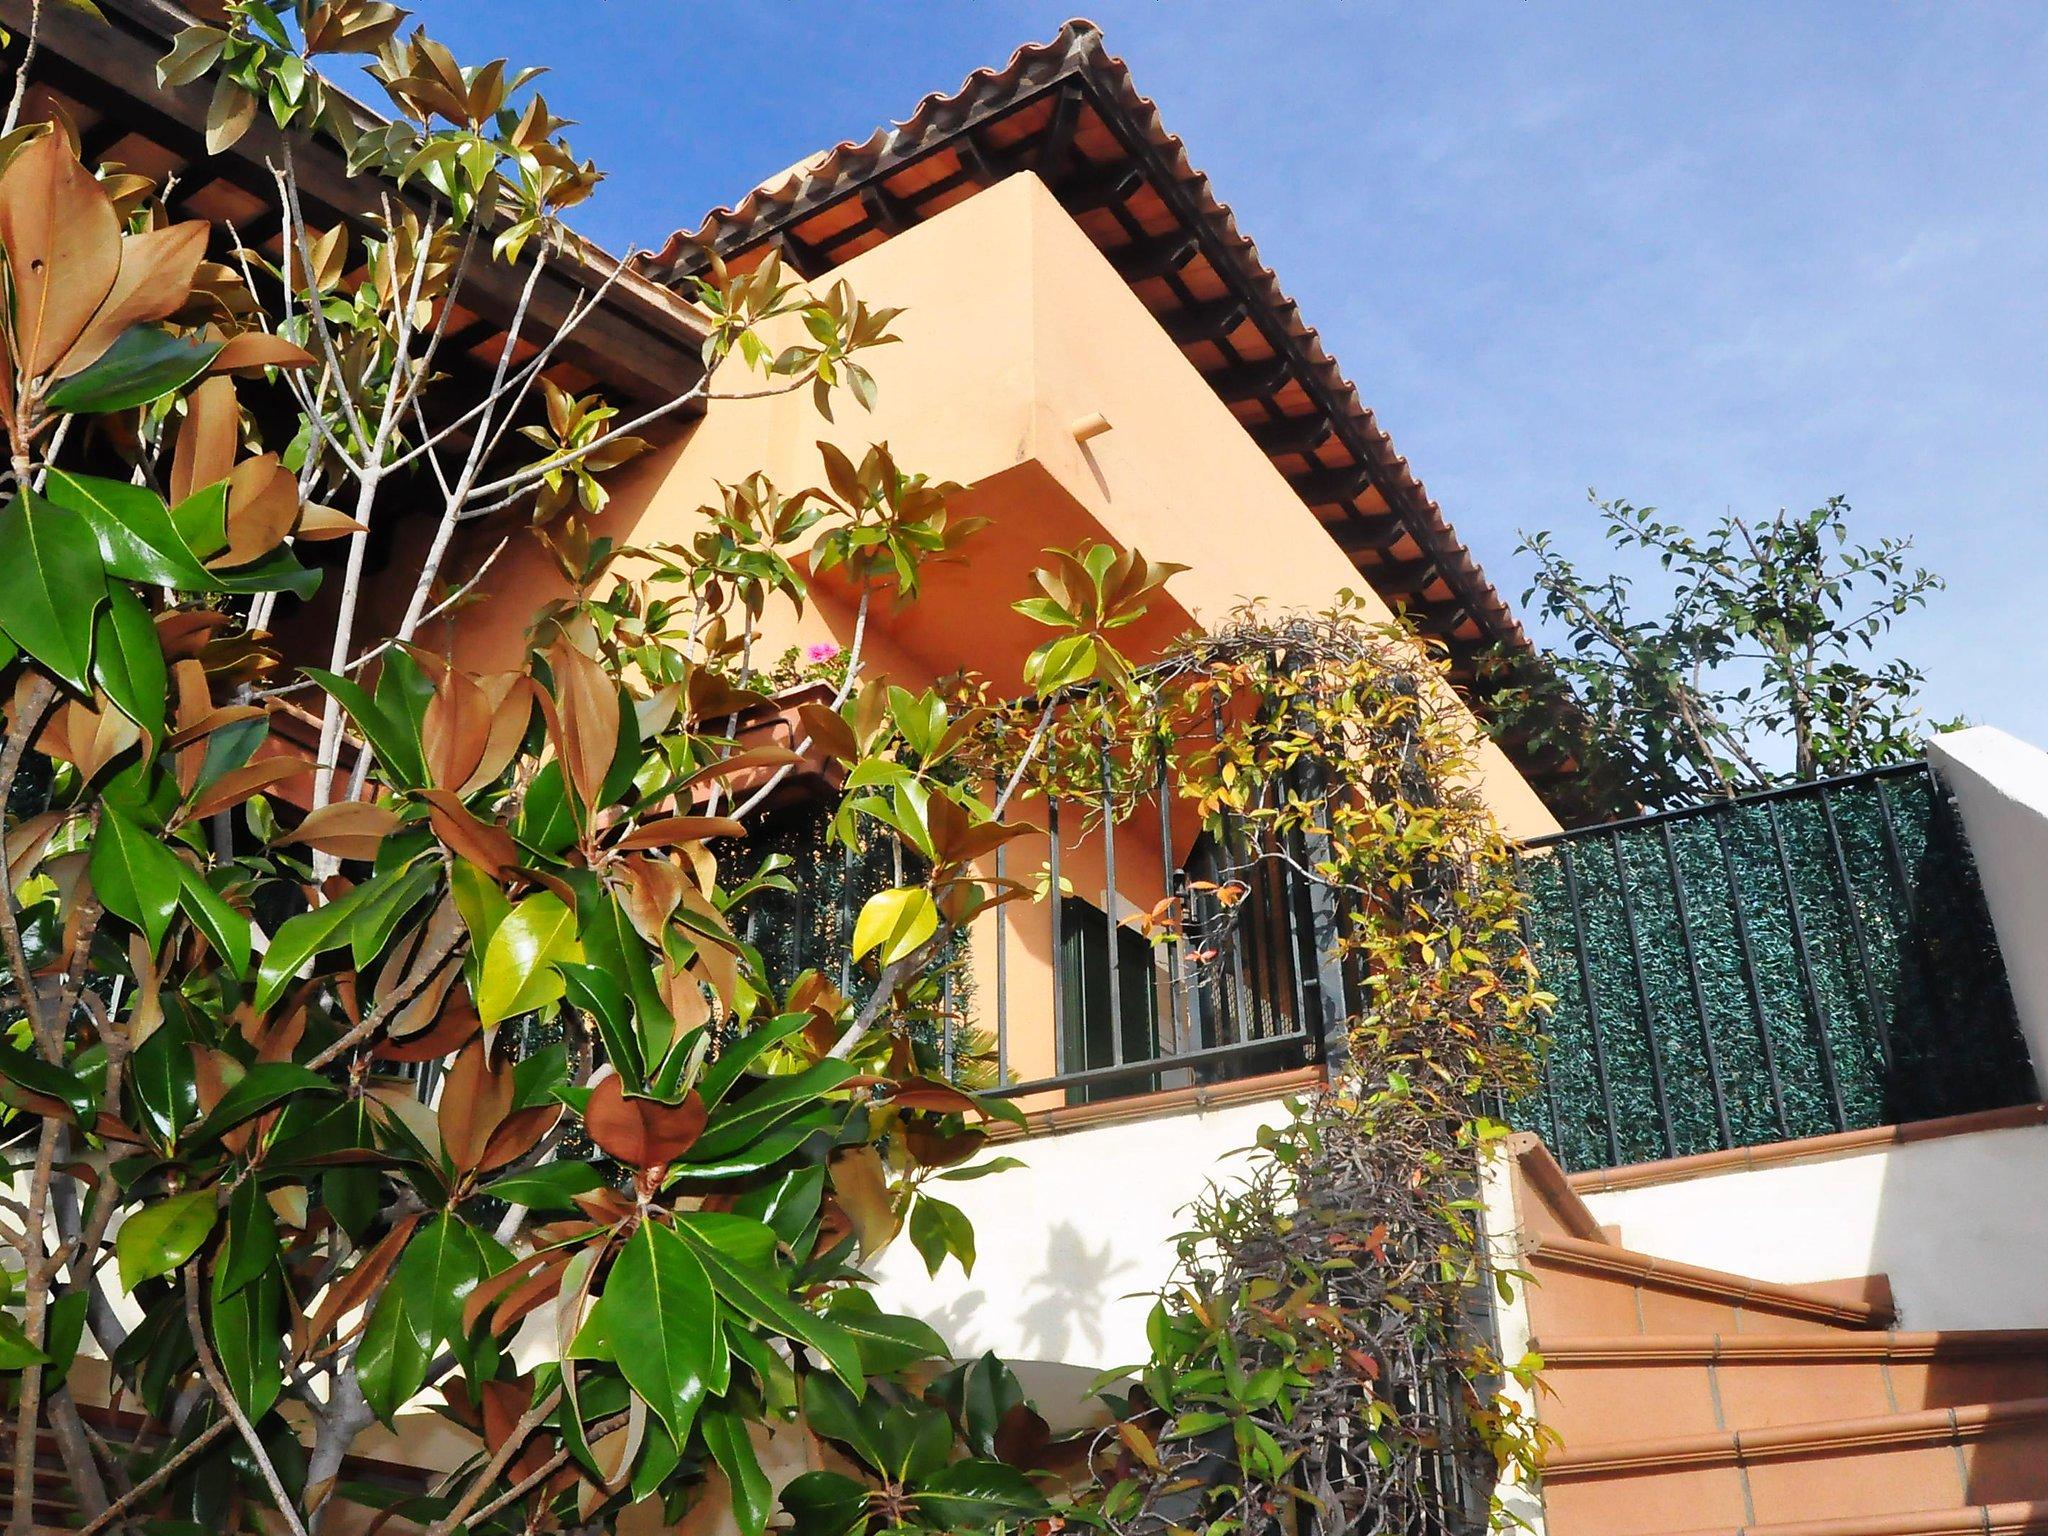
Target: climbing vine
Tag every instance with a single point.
(1320, 1358)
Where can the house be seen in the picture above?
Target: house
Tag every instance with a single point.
(1774, 1198)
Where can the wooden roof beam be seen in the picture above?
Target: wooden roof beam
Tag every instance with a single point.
(990, 164)
(1258, 380)
(885, 209)
(1356, 535)
(1332, 487)
(1154, 257)
(1204, 322)
(1402, 578)
(799, 255)
(1100, 187)
(1056, 146)
(1291, 434)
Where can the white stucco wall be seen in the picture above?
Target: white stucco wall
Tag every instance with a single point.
(1513, 1329)
(1959, 1223)
(2001, 789)
(1074, 1245)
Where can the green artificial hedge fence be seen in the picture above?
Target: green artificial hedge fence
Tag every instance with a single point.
(1785, 965)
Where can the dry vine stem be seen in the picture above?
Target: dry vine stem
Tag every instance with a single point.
(1321, 1358)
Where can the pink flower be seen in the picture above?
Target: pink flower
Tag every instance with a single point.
(824, 650)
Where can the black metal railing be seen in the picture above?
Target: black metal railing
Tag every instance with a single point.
(1076, 993)
(1805, 960)
(1236, 980)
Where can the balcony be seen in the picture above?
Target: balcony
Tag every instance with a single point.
(1173, 957)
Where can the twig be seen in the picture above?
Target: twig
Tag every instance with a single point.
(521, 1432)
(158, 1478)
(544, 1471)
(35, 1307)
(28, 57)
(374, 1021)
(209, 1367)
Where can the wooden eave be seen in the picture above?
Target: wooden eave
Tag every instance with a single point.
(642, 344)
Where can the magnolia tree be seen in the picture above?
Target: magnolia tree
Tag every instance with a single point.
(430, 1069)
(452, 1086)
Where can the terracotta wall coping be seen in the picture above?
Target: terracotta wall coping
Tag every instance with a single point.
(1930, 1426)
(1809, 1149)
(1150, 1106)
(1873, 1309)
(1540, 1174)
(2013, 1518)
(1633, 1349)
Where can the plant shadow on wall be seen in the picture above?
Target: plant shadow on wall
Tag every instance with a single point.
(1063, 1303)
(347, 1061)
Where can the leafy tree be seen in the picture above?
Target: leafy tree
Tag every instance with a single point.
(1766, 663)
(342, 1101)
(462, 1087)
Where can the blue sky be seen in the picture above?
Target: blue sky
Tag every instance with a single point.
(1704, 256)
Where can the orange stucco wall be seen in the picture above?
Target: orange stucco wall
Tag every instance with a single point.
(1015, 328)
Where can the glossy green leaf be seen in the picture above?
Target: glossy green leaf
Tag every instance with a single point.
(721, 1074)
(228, 749)
(391, 1362)
(757, 1152)
(143, 364)
(161, 1071)
(789, 1205)
(30, 1071)
(16, 1352)
(520, 963)
(598, 993)
(661, 1321)
(52, 584)
(550, 1187)
(128, 663)
(314, 932)
(896, 923)
(64, 1331)
(937, 1229)
(419, 1312)
(396, 748)
(248, 1334)
(373, 923)
(158, 1238)
(546, 823)
(978, 1494)
(133, 529)
(479, 901)
(278, 571)
(825, 1504)
(740, 1121)
(227, 930)
(265, 1084)
(249, 1247)
(202, 520)
(740, 1238)
(764, 1295)
(753, 1497)
(834, 1412)
(134, 875)
(888, 1342)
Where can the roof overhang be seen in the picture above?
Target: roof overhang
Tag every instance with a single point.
(1067, 111)
(641, 344)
